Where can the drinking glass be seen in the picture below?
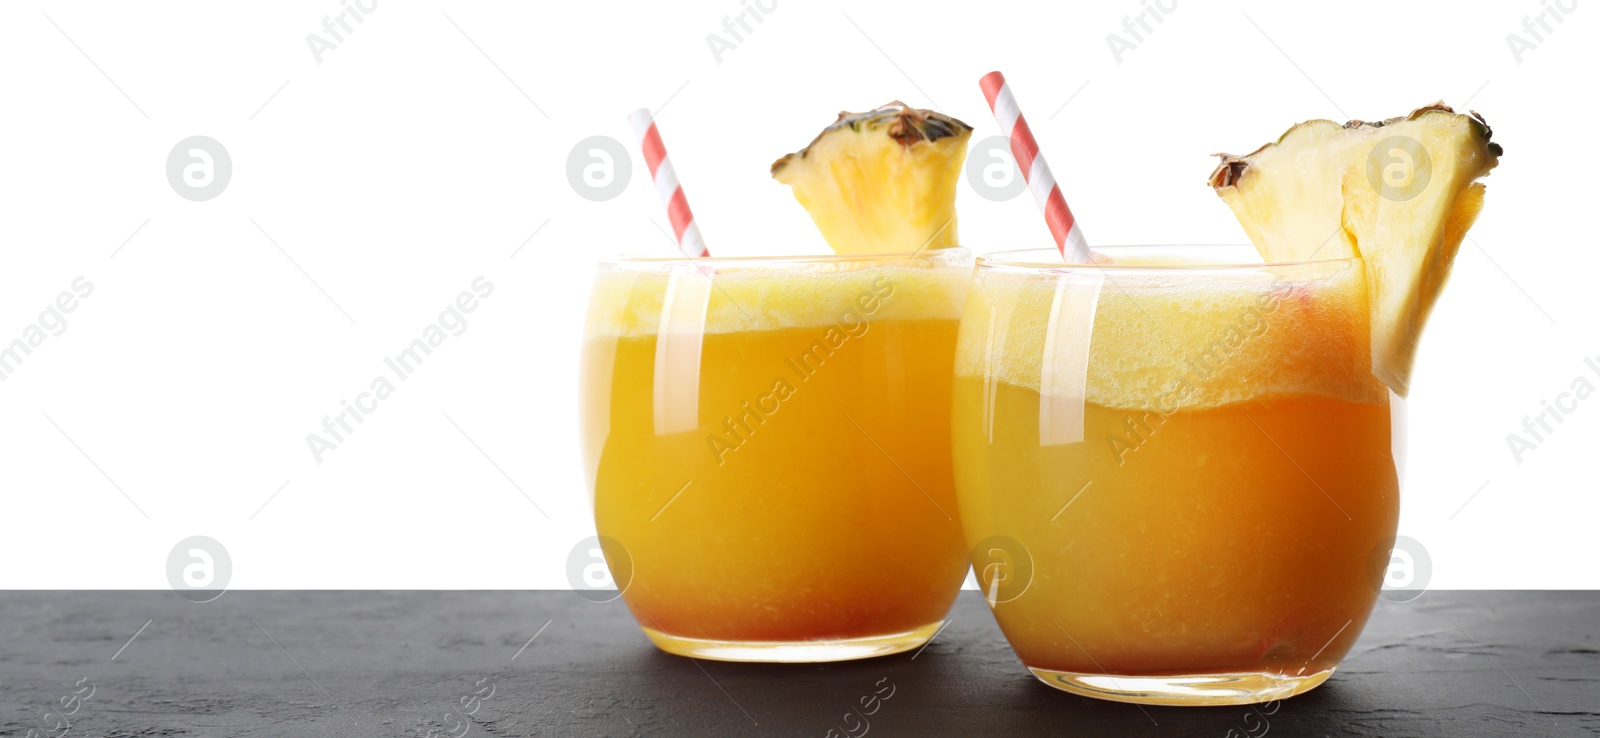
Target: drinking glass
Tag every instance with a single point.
(767, 442)
(1177, 471)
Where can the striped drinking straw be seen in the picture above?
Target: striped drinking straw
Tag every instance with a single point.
(667, 186)
(1046, 193)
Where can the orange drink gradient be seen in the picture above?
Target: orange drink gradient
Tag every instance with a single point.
(769, 444)
(1185, 474)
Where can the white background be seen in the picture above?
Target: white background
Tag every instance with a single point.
(409, 161)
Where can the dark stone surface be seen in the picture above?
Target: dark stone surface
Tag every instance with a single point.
(398, 664)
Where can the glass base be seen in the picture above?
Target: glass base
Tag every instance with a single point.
(792, 652)
(1245, 688)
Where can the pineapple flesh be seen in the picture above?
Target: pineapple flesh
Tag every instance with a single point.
(1400, 194)
(883, 181)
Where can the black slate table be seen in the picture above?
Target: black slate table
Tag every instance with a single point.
(552, 663)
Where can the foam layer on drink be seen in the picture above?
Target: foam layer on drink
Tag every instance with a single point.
(629, 302)
(1166, 340)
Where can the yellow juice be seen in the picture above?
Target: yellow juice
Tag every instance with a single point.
(770, 446)
(1193, 472)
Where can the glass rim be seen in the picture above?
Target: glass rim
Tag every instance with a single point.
(662, 260)
(1050, 260)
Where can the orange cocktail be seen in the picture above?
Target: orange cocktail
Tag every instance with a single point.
(1180, 480)
(768, 442)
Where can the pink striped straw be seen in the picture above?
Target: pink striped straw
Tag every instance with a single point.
(667, 186)
(1046, 193)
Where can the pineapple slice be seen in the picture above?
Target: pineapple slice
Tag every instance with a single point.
(1400, 194)
(882, 181)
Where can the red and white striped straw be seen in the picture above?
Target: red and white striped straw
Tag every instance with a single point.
(1063, 227)
(667, 186)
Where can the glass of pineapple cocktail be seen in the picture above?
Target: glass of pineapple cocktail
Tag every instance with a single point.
(768, 439)
(1178, 468)
(1193, 458)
